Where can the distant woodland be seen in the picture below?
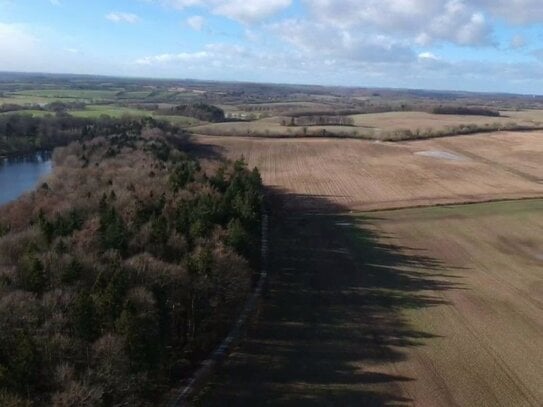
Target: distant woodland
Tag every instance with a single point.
(124, 269)
(200, 111)
(466, 111)
(21, 133)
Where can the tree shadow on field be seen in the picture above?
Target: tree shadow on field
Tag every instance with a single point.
(330, 323)
(189, 144)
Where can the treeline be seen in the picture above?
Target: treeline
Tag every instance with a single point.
(54, 107)
(459, 130)
(200, 111)
(12, 107)
(122, 271)
(319, 120)
(20, 133)
(466, 111)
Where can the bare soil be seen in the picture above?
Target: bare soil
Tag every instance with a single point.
(360, 175)
(434, 306)
(426, 307)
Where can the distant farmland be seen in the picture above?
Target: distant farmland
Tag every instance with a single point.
(95, 111)
(381, 126)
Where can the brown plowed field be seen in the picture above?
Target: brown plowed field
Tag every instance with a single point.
(362, 175)
(488, 327)
(415, 307)
(434, 306)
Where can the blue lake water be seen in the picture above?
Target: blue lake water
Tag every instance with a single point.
(21, 174)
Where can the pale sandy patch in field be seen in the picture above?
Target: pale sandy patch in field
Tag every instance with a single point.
(518, 151)
(443, 155)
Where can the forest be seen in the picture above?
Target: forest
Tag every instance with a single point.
(466, 111)
(200, 111)
(124, 269)
(22, 133)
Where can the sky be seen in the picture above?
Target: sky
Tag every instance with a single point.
(476, 45)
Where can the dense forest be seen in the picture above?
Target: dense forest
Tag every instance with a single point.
(123, 270)
(21, 133)
(319, 120)
(466, 111)
(200, 111)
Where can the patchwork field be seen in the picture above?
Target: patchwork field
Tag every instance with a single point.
(361, 175)
(373, 126)
(83, 94)
(30, 99)
(95, 111)
(427, 307)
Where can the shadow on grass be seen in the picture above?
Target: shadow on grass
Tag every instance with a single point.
(330, 324)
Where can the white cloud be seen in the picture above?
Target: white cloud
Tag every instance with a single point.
(424, 21)
(428, 56)
(212, 53)
(55, 2)
(197, 23)
(119, 17)
(173, 58)
(514, 11)
(517, 42)
(319, 40)
(365, 42)
(249, 11)
(425, 70)
(181, 4)
(245, 11)
(17, 45)
(538, 53)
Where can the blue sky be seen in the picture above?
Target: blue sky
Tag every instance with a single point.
(487, 45)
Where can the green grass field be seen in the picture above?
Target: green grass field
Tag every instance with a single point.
(36, 113)
(136, 95)
(83, 94)
(93, 111)
(30, 99)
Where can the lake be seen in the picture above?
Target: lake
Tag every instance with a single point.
(21, 174)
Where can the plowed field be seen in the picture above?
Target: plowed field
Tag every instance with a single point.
(361, 175)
